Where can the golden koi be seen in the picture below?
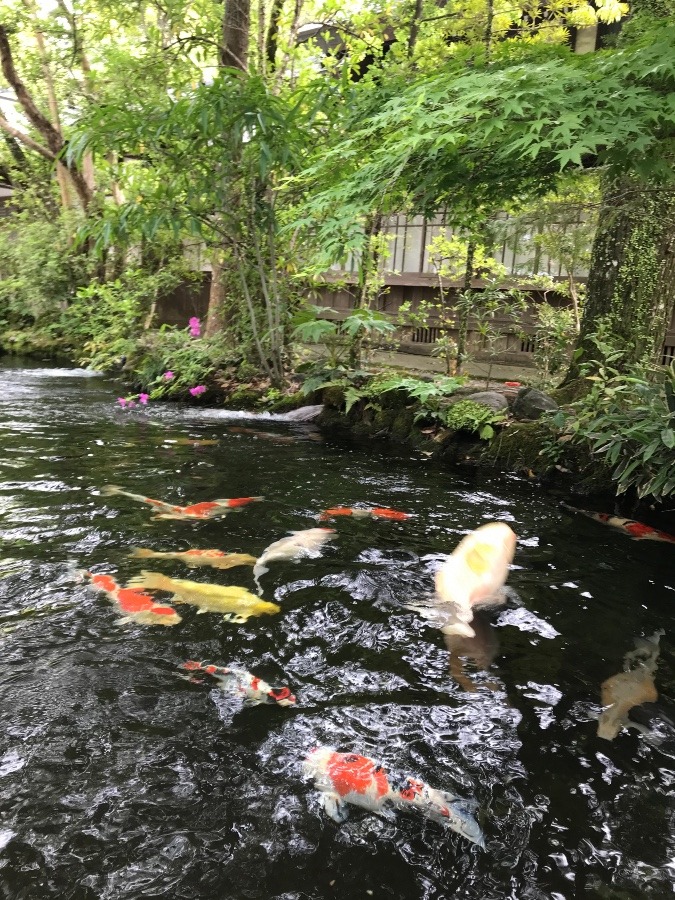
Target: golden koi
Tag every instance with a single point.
(300, 544)
(632, 687)
(217, 559)
(637, 530)
(209, 509)
(236, 603)
(137, 606)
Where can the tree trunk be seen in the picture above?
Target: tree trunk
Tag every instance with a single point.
(463, 324)
(631, 283)
(214, 316)
(236, 24)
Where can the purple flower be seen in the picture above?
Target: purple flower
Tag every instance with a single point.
(143, 399)
(122, 402)
(196, 391)
(195, 326)
(168, 376)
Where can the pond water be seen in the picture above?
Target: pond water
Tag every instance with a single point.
(119, 779)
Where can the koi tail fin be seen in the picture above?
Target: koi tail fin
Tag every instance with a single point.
(142, 553)
(109, 490)
(259, 569)
(151, 581)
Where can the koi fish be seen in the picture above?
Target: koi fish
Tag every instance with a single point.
(345, 778)
(377, 512)
(136, 605)
(217, 559)
(206, 510)
(191, 442)
(471, 578)
(632, 687)
(300, 544)
(240, 683)
(236, 603)
(637, 530)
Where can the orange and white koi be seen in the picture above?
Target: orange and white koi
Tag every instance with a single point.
(471, 578)
(209, 509)
(217, 559)
(348, 778)
(135, 605)
(300, 544)
(637, 530)
(376, 512)
(240, 683)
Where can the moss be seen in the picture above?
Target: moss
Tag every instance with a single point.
(571, 392)
(520, 445)
(244, 398)
(334, 397)
(403, 424)
(384, 419)
(287, 402)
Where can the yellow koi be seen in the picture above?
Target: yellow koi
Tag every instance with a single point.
(236, 603)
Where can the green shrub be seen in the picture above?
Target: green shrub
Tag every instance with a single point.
(476, 418)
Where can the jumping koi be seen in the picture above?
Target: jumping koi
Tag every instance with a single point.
(236, 603)
(637, 530)
(240, 683)
(209, 509)
(300, 544)
(217, 559)
(136, 605)
(471, 578)
(344, 778)
(377, 512)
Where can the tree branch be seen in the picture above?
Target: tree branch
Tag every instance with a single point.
(26, 140)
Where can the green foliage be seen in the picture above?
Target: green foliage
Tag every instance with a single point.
(554, 334)
(339, 336)
(476, 418)
(40, 270)
(629, 421)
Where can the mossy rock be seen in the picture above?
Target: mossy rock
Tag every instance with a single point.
(243, 398)
(334, 396)
(402, 425)
(520, 444)
(384, 419)
(287, 402)
(571, 392)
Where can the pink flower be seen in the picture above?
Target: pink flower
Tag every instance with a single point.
(196, 391)
(143, 399)
(195, 326)
(131, 404)
(168, 376)
(122, 402)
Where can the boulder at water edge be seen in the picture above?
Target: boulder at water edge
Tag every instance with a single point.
(532, 404)
(493, 399)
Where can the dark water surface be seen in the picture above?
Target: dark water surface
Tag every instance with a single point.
(119, 779)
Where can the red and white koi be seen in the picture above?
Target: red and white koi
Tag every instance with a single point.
(376, 512)
(136, 606)
(217, 559)
(209, 509)
(637, 530)
(348, 778)
(240, 683)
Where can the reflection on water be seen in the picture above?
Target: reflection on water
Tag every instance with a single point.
(119, 779)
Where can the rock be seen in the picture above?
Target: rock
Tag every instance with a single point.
(493, 399)
(302, 413)
(532, 404)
